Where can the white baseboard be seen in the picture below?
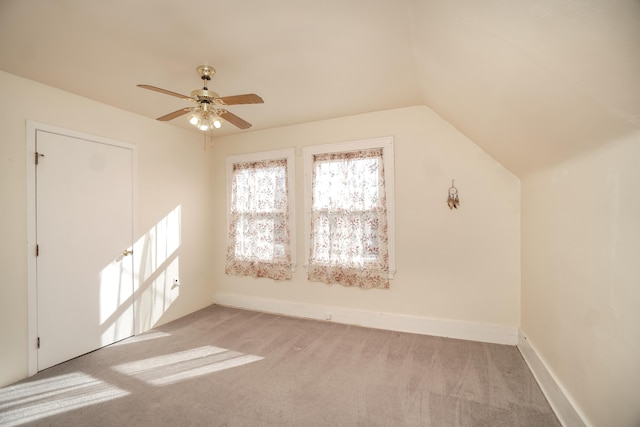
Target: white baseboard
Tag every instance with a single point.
(565, 409)
(490, 333)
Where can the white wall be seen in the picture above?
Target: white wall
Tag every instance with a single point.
(460, 266)
(580, 289)
(173, 171)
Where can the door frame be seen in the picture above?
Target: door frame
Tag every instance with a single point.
(32, 284)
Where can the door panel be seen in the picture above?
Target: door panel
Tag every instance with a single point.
(84, 223)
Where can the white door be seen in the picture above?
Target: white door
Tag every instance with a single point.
(83, 224)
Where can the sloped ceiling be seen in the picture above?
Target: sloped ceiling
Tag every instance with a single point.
(532, 83)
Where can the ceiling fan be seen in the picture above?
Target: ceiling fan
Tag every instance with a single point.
(208, 114)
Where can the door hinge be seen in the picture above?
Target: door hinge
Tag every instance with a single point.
(38, 342)
(37, 250)
(38, 155)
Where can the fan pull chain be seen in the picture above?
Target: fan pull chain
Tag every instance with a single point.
(204, 145)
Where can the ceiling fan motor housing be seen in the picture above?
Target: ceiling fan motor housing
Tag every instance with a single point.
(204, 95)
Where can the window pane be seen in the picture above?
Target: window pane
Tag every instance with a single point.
(349, 232)
(259, 235)
(260, 189)
(345, 238)
(347, 197)
(349, 184)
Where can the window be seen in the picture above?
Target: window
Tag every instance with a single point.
(260, 215)
(349, 208)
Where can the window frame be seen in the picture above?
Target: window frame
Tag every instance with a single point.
(289, 156)
(387, 146)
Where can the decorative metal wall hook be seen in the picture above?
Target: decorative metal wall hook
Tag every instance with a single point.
(453, 200)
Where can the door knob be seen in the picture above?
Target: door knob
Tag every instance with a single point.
(127, 252)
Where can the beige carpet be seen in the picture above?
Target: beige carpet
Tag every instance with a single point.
(228, 367)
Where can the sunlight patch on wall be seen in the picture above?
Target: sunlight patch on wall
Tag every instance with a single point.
(175, 367)
(30, 401)
(116, 300)
(157, 296)
(159, 244)
(157, 262)
(144, 282)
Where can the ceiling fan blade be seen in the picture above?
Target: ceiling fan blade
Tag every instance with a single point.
(233, 119)
(247, 98)
(173, 115)
(166, 92)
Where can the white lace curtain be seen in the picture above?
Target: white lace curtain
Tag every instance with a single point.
(259, 235)
(349, 243)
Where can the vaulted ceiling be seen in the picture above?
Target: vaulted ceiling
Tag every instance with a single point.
(531, 82)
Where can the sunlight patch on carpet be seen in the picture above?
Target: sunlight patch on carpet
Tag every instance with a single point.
(180, 366)
(30, 401)
(142, 337)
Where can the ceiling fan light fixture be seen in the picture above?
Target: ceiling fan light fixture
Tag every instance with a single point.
(195, 118)
(205, 120)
